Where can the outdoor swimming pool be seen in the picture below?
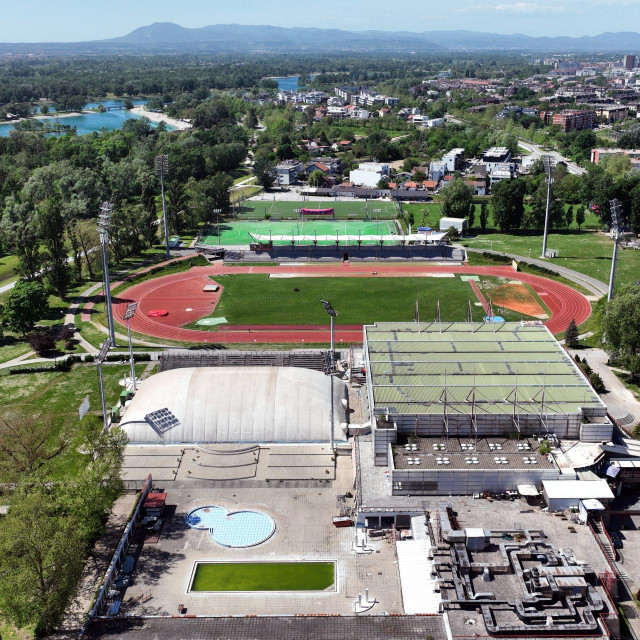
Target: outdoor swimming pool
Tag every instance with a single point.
(232, 529)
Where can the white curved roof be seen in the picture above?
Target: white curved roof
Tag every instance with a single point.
(236, 404)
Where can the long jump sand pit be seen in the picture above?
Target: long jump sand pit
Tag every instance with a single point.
(516, 296)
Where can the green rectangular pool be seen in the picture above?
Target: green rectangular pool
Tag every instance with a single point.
(263, 576)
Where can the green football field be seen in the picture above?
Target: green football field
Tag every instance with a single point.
(244, 232)
(364, 209)
(261, 300)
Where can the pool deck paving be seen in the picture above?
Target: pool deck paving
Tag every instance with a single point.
(304, 532)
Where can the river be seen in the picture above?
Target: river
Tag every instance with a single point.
(90, 122)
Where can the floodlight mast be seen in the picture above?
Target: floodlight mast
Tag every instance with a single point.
(549, 169)
(332, 358)
(616, 222)
(162, 169)
(101, 357)
(131, 309)
(104, 220)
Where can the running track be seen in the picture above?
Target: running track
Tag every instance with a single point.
(181, 291)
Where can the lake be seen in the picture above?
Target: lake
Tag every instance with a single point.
(289, 83)
(90, 122)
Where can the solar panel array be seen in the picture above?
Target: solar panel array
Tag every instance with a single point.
(162, 420)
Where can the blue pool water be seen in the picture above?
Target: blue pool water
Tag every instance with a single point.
(235, 529)
(90, 122)
(290, 83)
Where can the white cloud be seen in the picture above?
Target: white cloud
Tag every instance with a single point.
(528, 7)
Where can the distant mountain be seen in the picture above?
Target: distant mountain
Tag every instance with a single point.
(229, 38)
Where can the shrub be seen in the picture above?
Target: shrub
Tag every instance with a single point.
(69, 345)
(42, 342)
(596, 382)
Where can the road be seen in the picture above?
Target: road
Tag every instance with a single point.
(537, 150)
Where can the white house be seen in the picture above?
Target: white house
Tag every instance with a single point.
(368, 174)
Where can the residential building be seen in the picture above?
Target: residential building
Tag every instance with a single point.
(287, 171)
(598, 154)
(339, 113)
(437, 170)
(391, 102)
(368, 174)
(612, 112)
(346, 92)
(454, 160)
(628, 62)
(574, 120)
(433, 122)
(495, 156)
(502, 171)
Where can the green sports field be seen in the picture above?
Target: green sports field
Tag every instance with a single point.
(244, 232)
(357, 209)
(261, 300)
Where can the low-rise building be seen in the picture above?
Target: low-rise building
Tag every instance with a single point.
(368, 174)
(495, 156)
(574, 120)
(454, 160)
(287, 171)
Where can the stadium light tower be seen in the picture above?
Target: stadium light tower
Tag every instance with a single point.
(162, 169)
(104, 219)
(332, 363)
(131, 309)
(100, 358)
(616, 223)
(549, 170)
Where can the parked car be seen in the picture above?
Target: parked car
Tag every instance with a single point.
(616, 540)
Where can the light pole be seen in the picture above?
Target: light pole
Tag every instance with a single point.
(218, 212)
(128, 314)
(616, 219)
(104, 220)
(162, 169)
(332, 367)
(101, 357)
(549, 169)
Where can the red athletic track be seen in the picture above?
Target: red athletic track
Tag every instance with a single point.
(180, 291)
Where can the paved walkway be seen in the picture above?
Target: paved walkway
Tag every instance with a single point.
(596, 287)
(618, 398)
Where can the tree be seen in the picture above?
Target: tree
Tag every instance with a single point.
(251, 120)
(622, 328)
(536, 216)
(316, 178)
(42, 342)
(44, 109)
(507, 200)
(265, 173)
(457, 200)
(580, 216)
(452, 232)
(569, 216)
(28, 443)
(52, 229)
(24, 305)
(571, 335)
(472, 216)
(41, 558)
(383, 183)
(128, 104)
(484, 216)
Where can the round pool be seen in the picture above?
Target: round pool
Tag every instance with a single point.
(232, 529)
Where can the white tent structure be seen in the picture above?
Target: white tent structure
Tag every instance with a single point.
(234, 404)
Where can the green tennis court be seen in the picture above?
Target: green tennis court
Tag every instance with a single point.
(244, 232)
(364, 209)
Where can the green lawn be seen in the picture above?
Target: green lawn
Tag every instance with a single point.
(587, 252)
(240, 232)
(352, 209)
(263, 576)
(8, 268)
(429, 214)
(260, 300)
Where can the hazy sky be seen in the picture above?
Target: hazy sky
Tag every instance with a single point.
(75, 20)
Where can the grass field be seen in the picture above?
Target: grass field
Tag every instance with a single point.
(231, 233)
(263, 576)
(260, 300)
(344, 209)
(588, 252)
(429, 214)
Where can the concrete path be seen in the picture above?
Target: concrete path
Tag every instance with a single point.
(618, 398)
(596, 287)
